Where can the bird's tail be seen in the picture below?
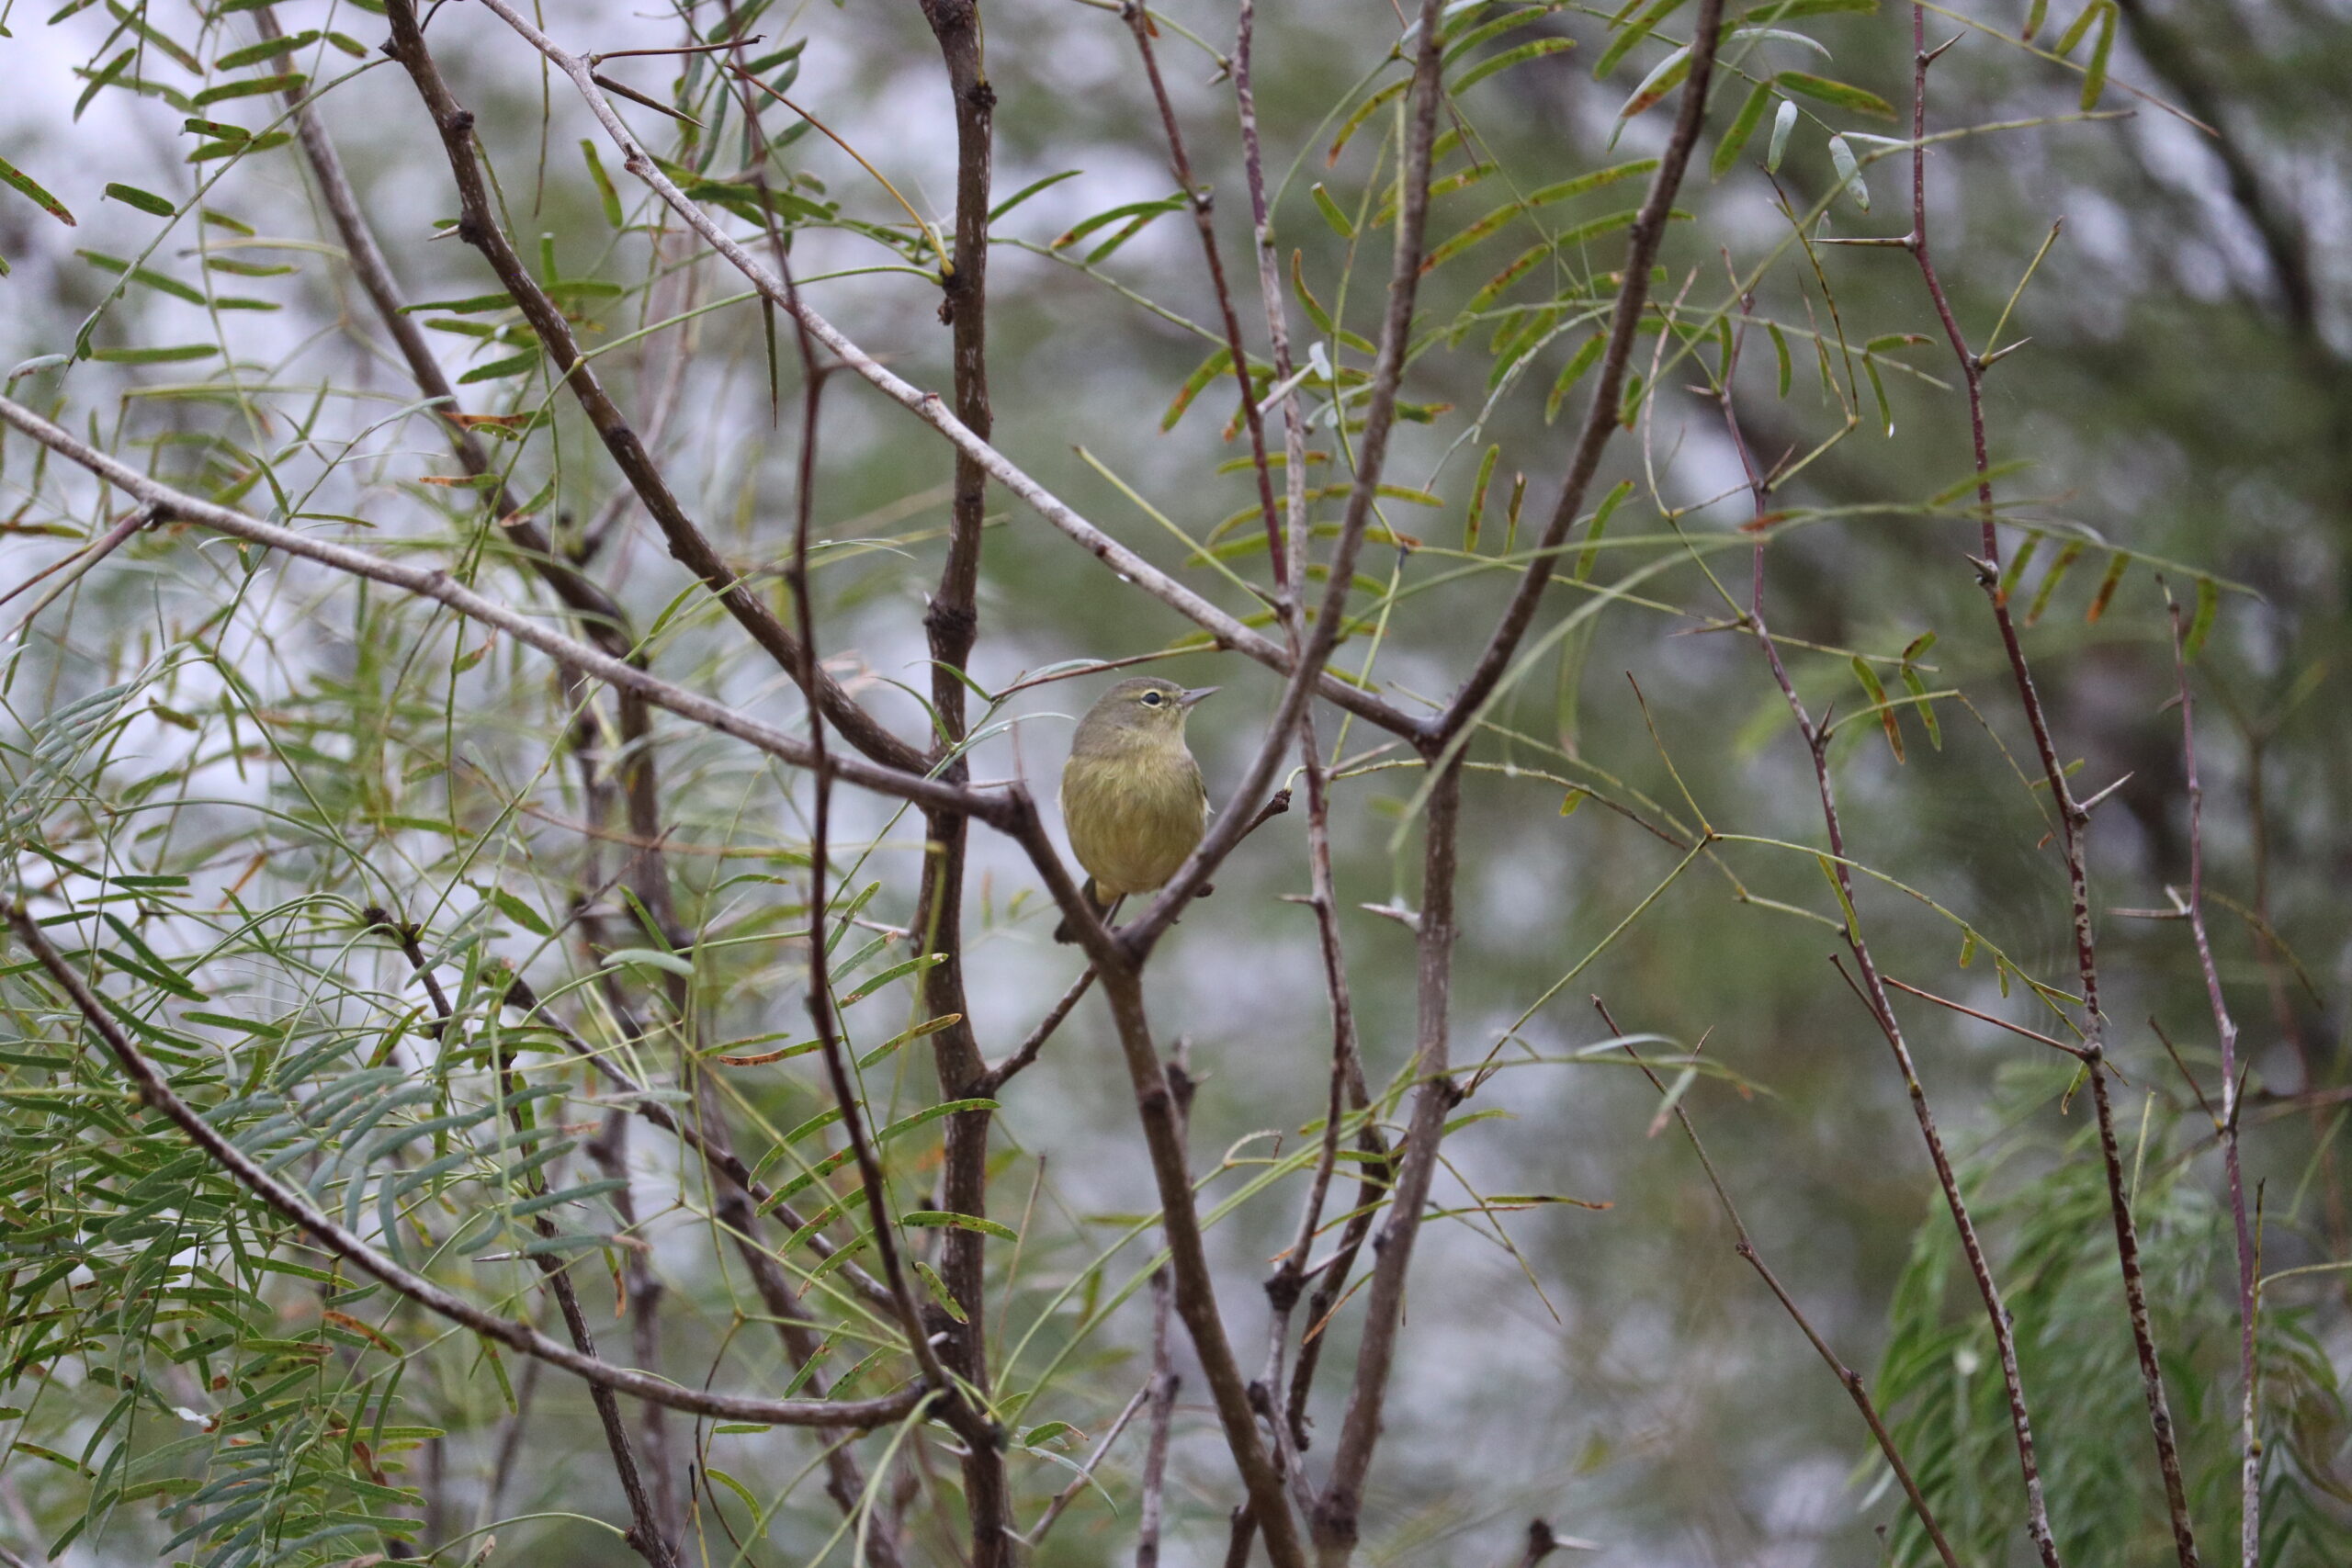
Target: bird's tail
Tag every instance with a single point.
(1103, 904)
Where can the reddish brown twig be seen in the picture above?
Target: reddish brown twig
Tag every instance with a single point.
(2073, 819)
(1872, 992)
(2225, 1122)
(2075, 1051)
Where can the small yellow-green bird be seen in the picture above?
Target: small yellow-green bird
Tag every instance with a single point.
(1132, 795)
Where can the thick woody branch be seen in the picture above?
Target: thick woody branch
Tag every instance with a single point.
(348, 1246)
(478, 225)
(1600, 418)
(951, 626)
(1195, 1290)
(1338, 1511)
(1228, 630)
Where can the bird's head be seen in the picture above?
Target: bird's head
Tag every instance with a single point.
(1145, 707)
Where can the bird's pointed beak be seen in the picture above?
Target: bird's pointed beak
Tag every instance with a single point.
(1196, 694)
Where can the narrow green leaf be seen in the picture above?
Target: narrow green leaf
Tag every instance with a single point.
(146, 201)
(2050, 580)
(1608, 508)
(1586, 355)
(934, 1219)
(610, 198)
(2076, 28)
(651, 958)
(2107, 587)
(1789, 10)
(175, 355)
(498, 369)
(1331, 213)
(1853, 926)
(154, 280)
(2095, 74)
(24, 185)
(1478, 499)
(522, 914)
(254, 53)
(1583, 183)
(1026, 192)
(1871, 683)
(2209, 603)
(1664, 77)
(1924, 709)
(1208, 370)
(1631, 34)
(1842, 156)
(286, 81)
(1459, 43)
(937, 1290)
(1743, 127)
(1536, 49)
(1354, 122)
(1838, 94)
(212, 150)
(2014, 573)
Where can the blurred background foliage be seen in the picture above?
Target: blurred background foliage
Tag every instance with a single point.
(295, 750)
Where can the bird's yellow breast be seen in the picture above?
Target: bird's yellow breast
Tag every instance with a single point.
(1134, 813)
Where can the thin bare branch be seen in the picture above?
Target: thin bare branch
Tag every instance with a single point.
(2225, 1123)
(2073, 822)
(1873, 991)
(1856, 1387)
(1152, 1484)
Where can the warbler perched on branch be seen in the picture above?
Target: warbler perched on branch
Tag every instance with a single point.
(1132, 795)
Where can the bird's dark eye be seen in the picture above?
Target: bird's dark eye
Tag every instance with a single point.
(1151, 699)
